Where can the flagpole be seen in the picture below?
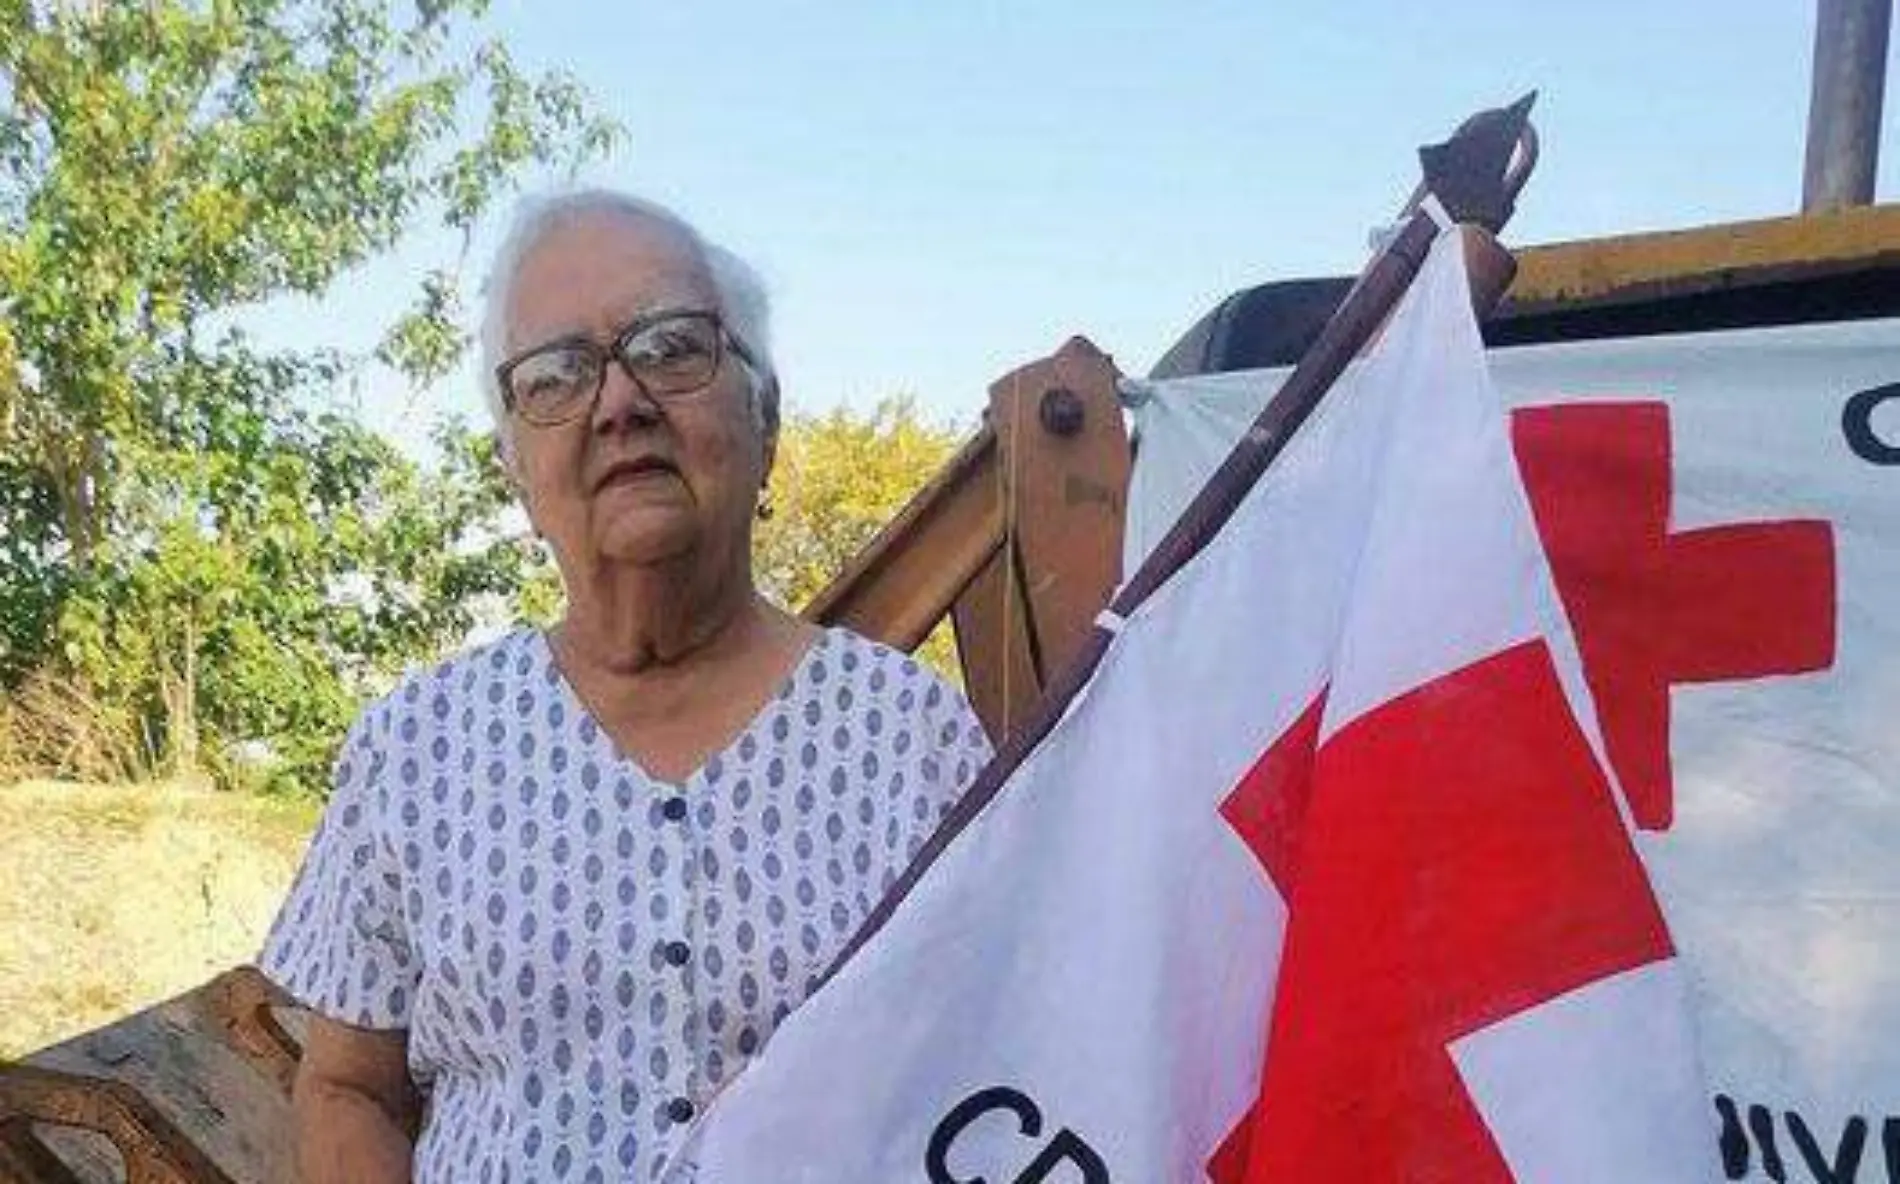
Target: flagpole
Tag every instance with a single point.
(1475, 177)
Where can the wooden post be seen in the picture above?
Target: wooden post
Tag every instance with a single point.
(1018, 538)
(1062, 474)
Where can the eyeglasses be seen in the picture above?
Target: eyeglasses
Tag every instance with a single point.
(672, 356)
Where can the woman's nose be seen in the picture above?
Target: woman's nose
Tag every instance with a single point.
(623, 403)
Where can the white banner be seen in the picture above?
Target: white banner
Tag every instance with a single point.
(1722, 513)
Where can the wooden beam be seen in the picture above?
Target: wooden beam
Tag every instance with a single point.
(995, 647)
(1064, 449)
(901, 585)
(210, 1068)
(153, 1150)
(243, 1006)
(26, 1160)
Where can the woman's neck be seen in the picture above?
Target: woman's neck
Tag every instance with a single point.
(669, 688)
(628, 620)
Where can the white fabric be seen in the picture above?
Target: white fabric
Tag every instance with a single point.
(491, 875)
(1778, 873)
(1381, 237)
(1450, 573)
(1448, 500)
(1090, 968)
(1534, 1074)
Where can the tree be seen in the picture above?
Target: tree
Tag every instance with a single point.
(838, 479)
(189, 528)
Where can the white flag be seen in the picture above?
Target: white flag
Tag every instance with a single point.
(1319, 879)
(1718, 509)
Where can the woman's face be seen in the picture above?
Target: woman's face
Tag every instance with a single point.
(633, 480)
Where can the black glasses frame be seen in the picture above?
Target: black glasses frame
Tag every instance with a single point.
(616, 352)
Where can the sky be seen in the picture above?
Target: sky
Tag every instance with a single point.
(937, 193)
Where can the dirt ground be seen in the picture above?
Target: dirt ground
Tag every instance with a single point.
(115, 897)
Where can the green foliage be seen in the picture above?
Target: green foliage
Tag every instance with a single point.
(189, 531)
(839, 478)
(205, 562)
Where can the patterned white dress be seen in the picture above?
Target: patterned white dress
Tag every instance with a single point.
(581, 954)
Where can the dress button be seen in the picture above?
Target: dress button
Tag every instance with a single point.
(679, 1110)
(677, 952)
(674, 809)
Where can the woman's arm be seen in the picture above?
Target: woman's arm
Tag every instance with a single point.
(353, 1107)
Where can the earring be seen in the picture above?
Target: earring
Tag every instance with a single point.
(765, 508)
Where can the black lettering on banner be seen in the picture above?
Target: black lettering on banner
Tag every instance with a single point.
(1857, 424)
(1066, 1147)
(1761, 1121)
(1846, 1164)
(997, 1097)
(1734, 1141)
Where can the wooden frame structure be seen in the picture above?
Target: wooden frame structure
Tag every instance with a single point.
(1017, 540)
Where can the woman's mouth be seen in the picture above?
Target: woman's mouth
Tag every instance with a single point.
(636, 471)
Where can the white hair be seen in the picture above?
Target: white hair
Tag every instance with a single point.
(737, 287)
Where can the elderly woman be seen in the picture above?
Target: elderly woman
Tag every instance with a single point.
(570, 881)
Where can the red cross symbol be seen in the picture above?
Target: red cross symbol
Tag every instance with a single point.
(1451, 858)
(1652, 608)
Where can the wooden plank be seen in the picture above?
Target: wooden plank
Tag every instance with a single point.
(904, 582)
(1639, 267)
(1060, 503)
(993, 643)
(152, 1148)
(255, 1019)
(1064, 450)
(210, 1070)
(24, 1159)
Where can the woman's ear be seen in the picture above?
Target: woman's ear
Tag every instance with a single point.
(767, 417)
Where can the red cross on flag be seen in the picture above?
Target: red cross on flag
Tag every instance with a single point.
(1321, 879)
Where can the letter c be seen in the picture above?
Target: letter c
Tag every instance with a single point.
(996, 1097)
(1857, 424)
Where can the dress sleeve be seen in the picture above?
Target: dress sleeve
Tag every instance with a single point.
(959, 747)
(339, 944)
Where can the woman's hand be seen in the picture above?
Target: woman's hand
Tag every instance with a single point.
(354, 1109)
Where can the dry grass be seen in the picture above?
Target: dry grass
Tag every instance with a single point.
(115, 897)
(52, 726)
